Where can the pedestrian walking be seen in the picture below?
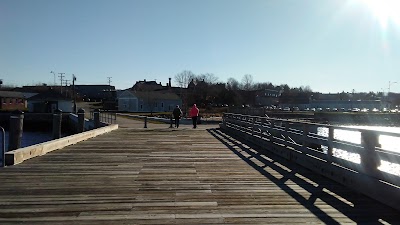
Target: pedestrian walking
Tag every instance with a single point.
(177, 113)
(194, 113)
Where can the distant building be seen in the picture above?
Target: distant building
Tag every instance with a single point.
(267, 97)
(12, 100)
(147, 86)
(95, 93)
(47, 102)
(147, 101)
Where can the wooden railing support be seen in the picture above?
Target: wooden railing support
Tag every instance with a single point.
(369, 158)
(306, 130)
(96, 118)
(81, 120)
(16, 128)
(57, 121)
(330, 144)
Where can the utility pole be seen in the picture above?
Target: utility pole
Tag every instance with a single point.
(61, 76)
(109, 80)
(66, 88)
(390, 83)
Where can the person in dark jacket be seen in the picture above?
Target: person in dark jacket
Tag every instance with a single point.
(177, 113)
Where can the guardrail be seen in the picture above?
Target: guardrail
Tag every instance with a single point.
(301, 142)
(105, 117)
(145, 119)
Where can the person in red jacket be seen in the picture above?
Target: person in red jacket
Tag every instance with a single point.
(194, 113)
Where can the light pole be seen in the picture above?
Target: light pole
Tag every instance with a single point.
(54, 74)
(73, 91)
(390, 83)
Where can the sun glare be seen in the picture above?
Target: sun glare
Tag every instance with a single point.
(385, 11)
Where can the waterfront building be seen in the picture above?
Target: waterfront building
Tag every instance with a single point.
(13, 100)
(47, 102)
(147, 101)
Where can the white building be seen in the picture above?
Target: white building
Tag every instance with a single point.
(147, 101)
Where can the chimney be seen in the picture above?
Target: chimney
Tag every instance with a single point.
(169, 82)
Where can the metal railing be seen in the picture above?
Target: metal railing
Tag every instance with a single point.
(105, 117)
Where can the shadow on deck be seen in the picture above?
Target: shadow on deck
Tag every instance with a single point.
(357, 207)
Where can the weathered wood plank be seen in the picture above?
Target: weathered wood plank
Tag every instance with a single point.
(155, 176)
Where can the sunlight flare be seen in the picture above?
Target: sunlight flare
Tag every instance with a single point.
(385, 11)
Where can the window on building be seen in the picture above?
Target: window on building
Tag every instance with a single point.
(141, 106)
(162, 104)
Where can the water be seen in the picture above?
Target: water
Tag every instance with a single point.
(29, 138)
(387, 143)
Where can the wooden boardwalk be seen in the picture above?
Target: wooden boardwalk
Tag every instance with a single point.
(175, 176)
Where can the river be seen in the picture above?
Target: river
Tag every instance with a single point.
(387, 143)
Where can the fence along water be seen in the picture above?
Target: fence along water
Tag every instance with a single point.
(300, 142)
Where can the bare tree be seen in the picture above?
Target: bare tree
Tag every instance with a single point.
(209, 78)
(306, 88)
(183, 78)
(247, 82)
(232, 84)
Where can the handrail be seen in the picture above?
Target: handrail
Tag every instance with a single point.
(301, 143)
(296, 131)
(105, 117)
(3, 147)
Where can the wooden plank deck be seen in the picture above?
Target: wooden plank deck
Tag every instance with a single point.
(170, 176)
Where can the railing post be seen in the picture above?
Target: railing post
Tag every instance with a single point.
(271, 138)
(57, 121)
(81, 120)
(16, 128)
(306, 130)
(170, 124)
(286, 123)
(253, 126)
(3, 147)
(369, 158)
(330, 143)
(145, 122)
(96, 118)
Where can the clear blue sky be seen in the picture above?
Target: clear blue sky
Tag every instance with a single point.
(329, 45)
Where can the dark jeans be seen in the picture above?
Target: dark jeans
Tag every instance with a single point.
(194, 120)
(176, 122)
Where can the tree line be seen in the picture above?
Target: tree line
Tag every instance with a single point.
(206, 89)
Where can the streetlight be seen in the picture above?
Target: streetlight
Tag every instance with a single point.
(390, 83)
(73, 91)
(54, 74)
